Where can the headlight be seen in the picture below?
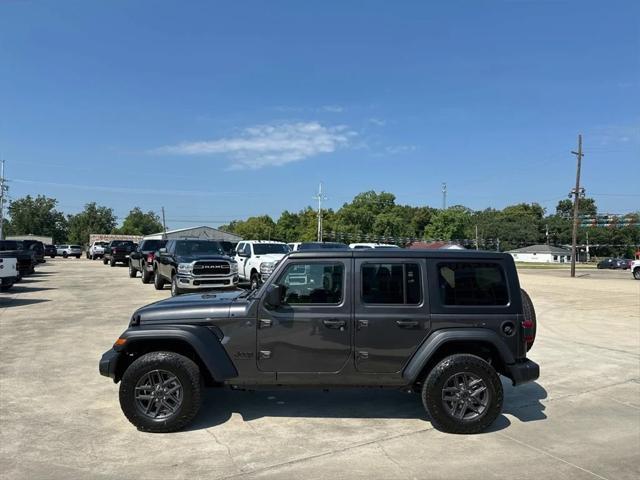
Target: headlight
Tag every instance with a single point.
(184, 268)
(234, 267)
(267, 267)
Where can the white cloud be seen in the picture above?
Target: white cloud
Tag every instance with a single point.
(270, 145)
(332, 108)
(377, 122)
(398, 149)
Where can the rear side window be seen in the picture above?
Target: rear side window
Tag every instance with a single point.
(391, 283)
(468, 283)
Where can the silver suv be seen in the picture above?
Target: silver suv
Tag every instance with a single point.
(69, 250)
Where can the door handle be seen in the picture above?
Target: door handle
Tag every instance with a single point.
(265, 322)
(407, 323)
(335, 324)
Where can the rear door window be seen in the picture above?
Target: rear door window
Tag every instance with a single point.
(470, 283)
(391, 283)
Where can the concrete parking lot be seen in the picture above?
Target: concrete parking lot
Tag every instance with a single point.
(60, 420)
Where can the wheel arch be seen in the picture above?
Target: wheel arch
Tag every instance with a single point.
(200, 344)
(481, 342)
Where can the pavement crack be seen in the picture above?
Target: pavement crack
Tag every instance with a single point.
(228, 449)
(551, 455)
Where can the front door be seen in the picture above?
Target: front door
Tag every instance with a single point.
(391, 312)
(310, 332)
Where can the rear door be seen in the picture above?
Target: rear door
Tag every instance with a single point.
(391, 312)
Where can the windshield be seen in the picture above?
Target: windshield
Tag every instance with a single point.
(153, 244)
(266, 248)
(9, 245)
(121, 243)
(318, 245)
(196, 247)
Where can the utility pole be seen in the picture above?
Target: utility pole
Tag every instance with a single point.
(320, 197)
(588, 255)
(3, 189)
(546, 232)
(576, 202)
(164, 226)
(477, 248)
(444, 196)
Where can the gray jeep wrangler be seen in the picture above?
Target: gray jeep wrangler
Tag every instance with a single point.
(442, 323)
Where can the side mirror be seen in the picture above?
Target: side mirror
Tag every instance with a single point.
(243, 254)
(162, 251)
(273, 297)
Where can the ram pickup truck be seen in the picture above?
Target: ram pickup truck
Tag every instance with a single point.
(442, 323)
(8, 272)
(193, 265)
(26, 258)
(118, 251)
(257, 259)
(141, 259)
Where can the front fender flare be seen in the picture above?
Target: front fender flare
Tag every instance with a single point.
(203, 341)
(441, 337)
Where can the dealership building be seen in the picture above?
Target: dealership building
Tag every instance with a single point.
(196, 233)
(541, 254)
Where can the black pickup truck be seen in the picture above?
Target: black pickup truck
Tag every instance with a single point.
(141, 259)
(193, 265)
(26, 257)
(118, 251)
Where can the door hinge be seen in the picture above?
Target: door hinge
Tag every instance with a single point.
(362, 324)
(265, 354)
(362, 354)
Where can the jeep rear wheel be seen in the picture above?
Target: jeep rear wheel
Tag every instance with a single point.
(161, 392)
(462, 394)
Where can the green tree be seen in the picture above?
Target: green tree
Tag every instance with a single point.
(253, 228)
(586, 206)
(93, 219)
(38, 216)
(138, 222)
(449, 224)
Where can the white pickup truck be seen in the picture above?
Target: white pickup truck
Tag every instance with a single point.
(635, 269)
(257, 258)
(8, 273)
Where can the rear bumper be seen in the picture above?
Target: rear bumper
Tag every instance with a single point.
(108, 364)
(523, 372)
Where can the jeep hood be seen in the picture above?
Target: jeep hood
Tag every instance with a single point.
(187, 309)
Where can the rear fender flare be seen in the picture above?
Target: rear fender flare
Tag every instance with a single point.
(204, 342)
(441, 337)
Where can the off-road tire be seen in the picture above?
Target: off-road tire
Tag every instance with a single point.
(432, 390)
(254, 281)
(529, 314)
(175, 290)
(133, 273)
(158, 282)
(190, 379)
(145, 275)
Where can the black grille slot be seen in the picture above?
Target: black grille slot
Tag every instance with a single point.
(211, 268)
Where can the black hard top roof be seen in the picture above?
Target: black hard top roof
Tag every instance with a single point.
(399, 253)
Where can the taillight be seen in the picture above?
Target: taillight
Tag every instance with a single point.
(150, 257)
(113, 250)
(528, 332)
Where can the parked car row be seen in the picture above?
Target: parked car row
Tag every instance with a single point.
(191, 265)
(18, 258)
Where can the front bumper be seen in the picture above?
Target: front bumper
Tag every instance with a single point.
(523, 372)
(206, 282)
(109, 363)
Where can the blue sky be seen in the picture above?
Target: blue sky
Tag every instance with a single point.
(225, 110)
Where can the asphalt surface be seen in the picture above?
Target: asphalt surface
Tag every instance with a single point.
(59, 419)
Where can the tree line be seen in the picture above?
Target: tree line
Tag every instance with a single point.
(370, 216)
(40, 216)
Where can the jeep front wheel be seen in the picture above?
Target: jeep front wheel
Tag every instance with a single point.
(462, 394)
(161, 392)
